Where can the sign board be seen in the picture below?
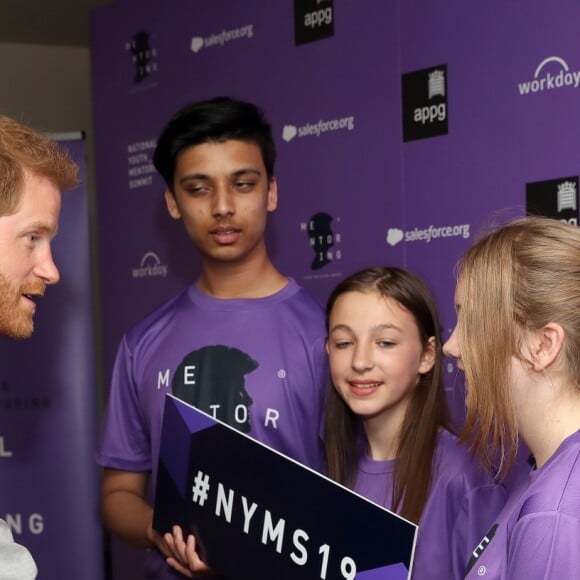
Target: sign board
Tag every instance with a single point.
(259, 514)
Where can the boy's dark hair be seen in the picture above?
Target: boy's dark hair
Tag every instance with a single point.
(215, 120)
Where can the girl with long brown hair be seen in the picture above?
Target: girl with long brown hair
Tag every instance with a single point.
(387, 433)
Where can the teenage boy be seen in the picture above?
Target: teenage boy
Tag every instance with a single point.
(244, 343)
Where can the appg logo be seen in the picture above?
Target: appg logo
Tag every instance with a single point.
(554, 198)
(313, 20)
(552, 73)
(425, 103)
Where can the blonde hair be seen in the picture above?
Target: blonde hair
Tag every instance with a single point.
(24, 149)
(517, 278)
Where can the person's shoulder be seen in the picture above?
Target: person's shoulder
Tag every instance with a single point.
(160, 316)
(299, 296)
(556, 485)
(455, 460)
(458, 475)
(15, 560)
(300, 311)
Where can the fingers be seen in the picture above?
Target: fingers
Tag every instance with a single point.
(184, 557)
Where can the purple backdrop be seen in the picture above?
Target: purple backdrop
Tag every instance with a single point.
(48, 412)
(402, 127)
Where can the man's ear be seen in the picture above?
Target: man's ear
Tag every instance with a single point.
(171, 203)
(428, 356)
(545, 345)
(272, 194)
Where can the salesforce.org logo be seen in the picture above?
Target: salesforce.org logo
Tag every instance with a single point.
(289, 132)
(150, 267)
(396, 235)
(552, 73)
(221, 38)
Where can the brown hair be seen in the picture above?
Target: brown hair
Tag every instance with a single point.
(515, 279)
(24, 149)
(426, 414)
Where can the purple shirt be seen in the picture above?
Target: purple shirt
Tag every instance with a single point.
(462, 503)
(257, 364)
(537, 534)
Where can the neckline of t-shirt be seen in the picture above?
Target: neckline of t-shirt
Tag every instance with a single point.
(378, 466)
(571, 440)
(210, 302)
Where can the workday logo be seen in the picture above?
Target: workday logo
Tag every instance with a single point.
(150, 267)
(552, 73)
(221, 38)
(396, 236)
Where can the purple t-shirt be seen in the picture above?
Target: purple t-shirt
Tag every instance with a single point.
(463, 502)
(537, 534)
(257, 364)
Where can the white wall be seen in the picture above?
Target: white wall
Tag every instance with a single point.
(47, 87)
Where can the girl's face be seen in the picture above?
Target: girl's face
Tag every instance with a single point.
(452, 347)
(376, 354)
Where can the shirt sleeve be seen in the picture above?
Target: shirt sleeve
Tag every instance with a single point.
(125, 438)
(480, 507)
(544, 546)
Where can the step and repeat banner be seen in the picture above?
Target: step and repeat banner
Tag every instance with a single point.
(402, 127)
(48, 411)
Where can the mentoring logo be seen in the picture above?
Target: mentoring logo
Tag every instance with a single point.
(313, 20)
(323, 240)
(143, 55)
(222, 37)
(552, 73)
(212, 379)
(425, 103)
(554, 198)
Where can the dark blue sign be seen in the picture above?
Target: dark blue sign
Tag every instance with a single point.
(259, 514)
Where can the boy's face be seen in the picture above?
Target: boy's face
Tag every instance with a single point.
(26, 264)
(222, 194)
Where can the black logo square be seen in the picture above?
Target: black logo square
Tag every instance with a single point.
(313, 20)
(425, 108)
(554, 198)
